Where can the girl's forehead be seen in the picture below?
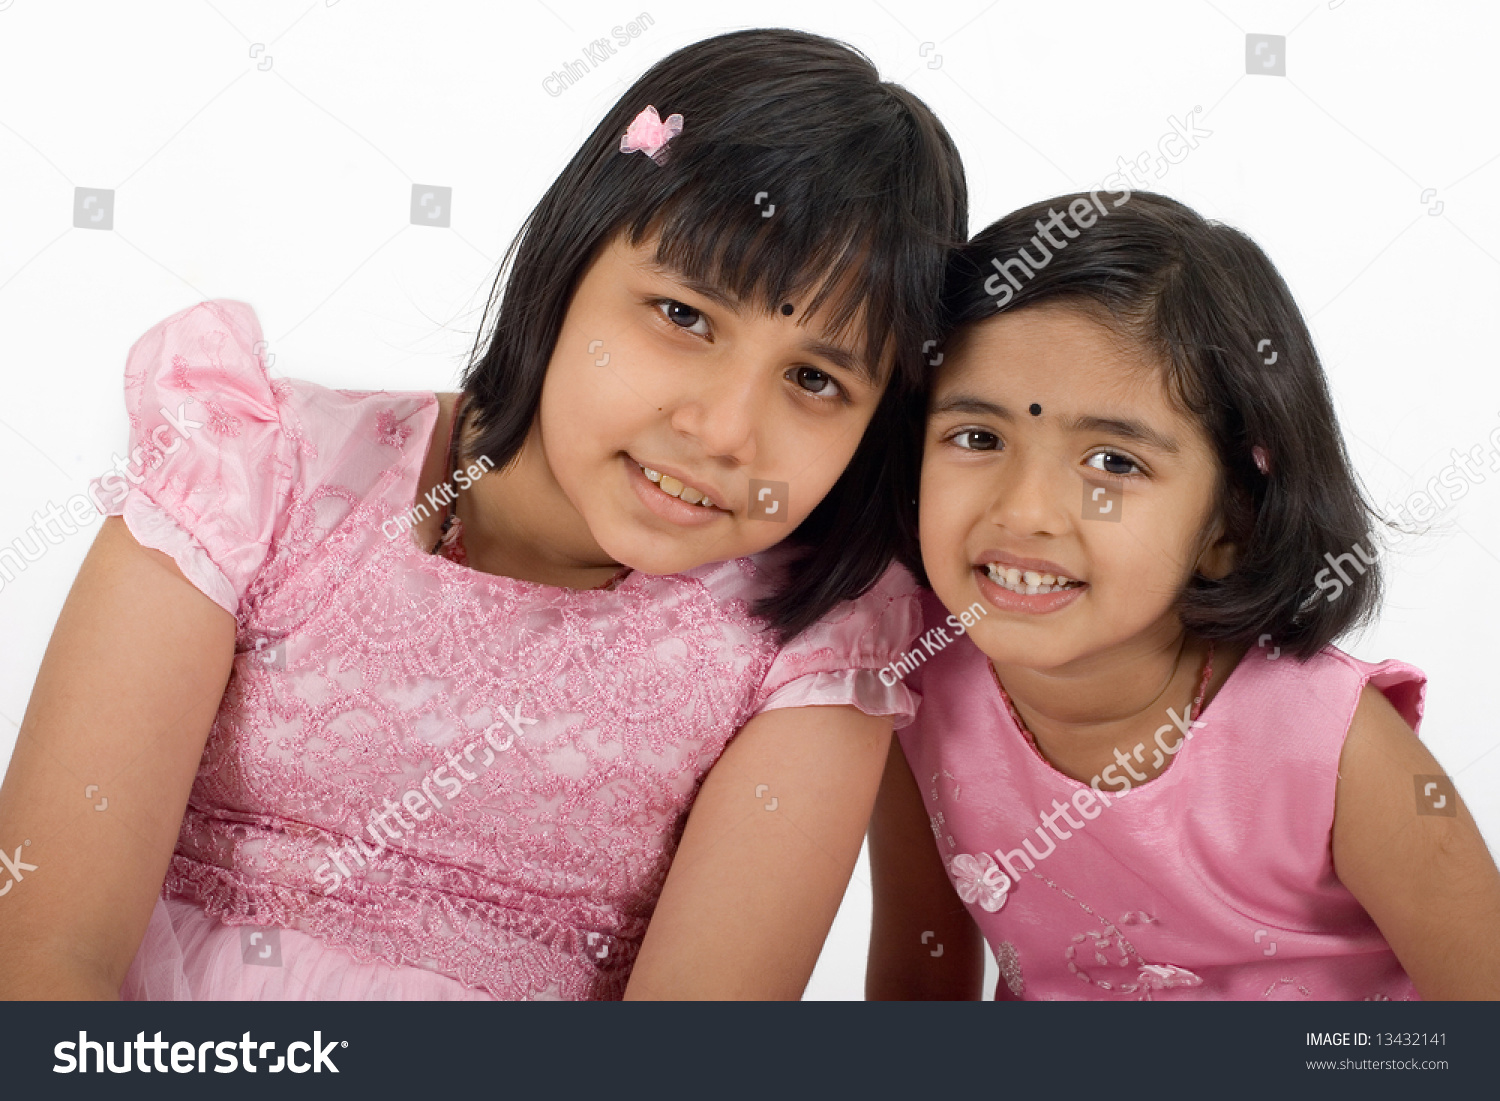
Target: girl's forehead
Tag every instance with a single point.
(1061, 368)
(1059, 347)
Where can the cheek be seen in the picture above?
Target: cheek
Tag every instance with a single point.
(1148, 555)
(948, 508)
(586, 407)
(808, 449)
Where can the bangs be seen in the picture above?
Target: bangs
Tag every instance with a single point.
(839, 266)
(834, 206)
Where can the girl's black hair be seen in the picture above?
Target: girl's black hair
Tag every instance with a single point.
(1236, 352)
(869, 198)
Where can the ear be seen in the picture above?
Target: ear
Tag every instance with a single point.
(1219, 555)
(1218, 560)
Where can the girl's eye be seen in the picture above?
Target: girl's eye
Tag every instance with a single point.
(976, 439)
(1113, 462)
(683, 316)
(815, 382)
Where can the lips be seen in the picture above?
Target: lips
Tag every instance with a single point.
(669, 506)
(1030, 599)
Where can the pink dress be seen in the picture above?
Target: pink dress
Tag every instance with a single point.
(425, 781)
(1214, 880)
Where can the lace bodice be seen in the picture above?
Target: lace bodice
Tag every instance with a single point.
(414, 761)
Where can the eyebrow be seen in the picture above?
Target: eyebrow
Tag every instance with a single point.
(836, 354)
(1122, 427)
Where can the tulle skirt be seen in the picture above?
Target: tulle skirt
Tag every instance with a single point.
(187, 955)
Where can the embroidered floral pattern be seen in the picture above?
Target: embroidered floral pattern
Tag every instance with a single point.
(221, 422)
(180, 378)
(391, 432)
(1111, 948)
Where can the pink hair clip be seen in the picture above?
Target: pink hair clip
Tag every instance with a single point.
(649, 134)
(1262, 462)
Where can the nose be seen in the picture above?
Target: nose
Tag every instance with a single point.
(721, 410)
(1031, 497)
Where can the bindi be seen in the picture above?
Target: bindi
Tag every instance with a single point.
(1036, 410)
(787, 309)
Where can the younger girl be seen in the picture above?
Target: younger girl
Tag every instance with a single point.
(1147, 771)
(413, 693)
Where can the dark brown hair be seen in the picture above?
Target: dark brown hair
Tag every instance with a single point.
(870, 197)
(1237, 354)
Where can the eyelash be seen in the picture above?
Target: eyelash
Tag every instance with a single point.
(1140, 469)
(953, 438)
(658, 303)
(841, 396)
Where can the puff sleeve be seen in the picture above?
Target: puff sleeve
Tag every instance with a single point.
(208, 472)
(841, 658)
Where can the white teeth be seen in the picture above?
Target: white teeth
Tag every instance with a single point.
(674, 488)
(1028, 582)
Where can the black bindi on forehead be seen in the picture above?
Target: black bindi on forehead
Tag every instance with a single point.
(787, 309)
(1036, 410)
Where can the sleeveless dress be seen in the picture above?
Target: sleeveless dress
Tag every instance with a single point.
(1213, 880)
(425, 781)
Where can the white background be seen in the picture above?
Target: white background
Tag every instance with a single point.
(289, 187)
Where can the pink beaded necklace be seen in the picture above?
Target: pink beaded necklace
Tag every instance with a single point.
(1193, 710)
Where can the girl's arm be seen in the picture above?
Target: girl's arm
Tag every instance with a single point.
(107, 752)
(1427, 879)
(767, 852)
(917, 911)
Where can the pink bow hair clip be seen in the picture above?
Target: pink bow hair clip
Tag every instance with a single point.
(1262, 462)
(649, 134)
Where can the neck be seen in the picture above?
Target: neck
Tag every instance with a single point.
(519, 523)
(1080, 714)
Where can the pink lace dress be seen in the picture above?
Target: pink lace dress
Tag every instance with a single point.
(424, 781)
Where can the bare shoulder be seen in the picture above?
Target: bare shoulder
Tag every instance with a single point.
(1376, 722)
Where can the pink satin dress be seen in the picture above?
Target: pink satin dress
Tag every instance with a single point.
(1213, 880)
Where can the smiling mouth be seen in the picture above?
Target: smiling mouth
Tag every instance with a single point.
(1029, 582)
(674, 488)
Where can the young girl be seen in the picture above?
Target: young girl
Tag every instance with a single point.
(410, 694)
(1147, 771)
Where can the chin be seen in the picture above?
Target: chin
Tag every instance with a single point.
(1022, 641)
(654, 555)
